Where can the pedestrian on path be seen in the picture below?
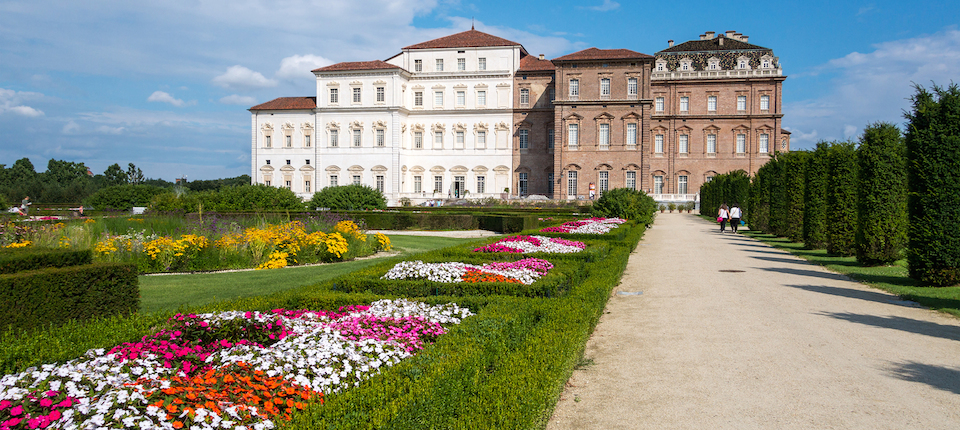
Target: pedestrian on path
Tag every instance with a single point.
(24, 206)
(735, 215)
(723, 216)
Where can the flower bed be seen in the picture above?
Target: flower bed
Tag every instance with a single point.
(586, 226)
(525, 271)
(223, 370)
(525, 244)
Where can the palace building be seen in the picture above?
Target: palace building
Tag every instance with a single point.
(474, 115)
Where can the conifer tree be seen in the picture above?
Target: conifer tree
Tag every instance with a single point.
(882, 195)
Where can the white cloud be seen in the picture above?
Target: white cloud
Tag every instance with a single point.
(607, 6)
(874, 86)
(109, 130)
(239, 100)
(71, 127)
(11, 101)
(298, 67)
(162, 97)
(239, 77)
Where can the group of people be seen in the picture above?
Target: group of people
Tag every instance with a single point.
(731, 214)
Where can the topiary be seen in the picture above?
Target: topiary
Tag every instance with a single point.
(348, 197)
(882, 195)
(815, 199)
(626, 203)
(841, 199)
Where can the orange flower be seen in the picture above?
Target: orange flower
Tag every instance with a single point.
(177, 424)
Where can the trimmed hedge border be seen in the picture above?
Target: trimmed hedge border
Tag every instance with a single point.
(25, 259)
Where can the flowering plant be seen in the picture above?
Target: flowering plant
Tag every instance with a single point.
(525, 244)
(586, 226)
(525, 271)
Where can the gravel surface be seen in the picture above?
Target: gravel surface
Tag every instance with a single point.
(782, 345)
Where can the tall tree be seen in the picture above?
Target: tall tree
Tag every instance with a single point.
(881, 195)
(114, 175)
(134, 174)
(841, 198)
(815, 199)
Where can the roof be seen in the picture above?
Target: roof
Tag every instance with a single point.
(603, 54)
(358, 65)
(467, 39)
(531, 63)
(713, 44)
(288, 103)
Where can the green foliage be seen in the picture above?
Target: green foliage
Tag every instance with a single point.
(114, 175)
(230, 198)
(348, 197)
(729, 188)
(933, 172)
(758, 204)
(506, 223)
(841, 199)
(24, 259)
(794, 164)
(626, 203)
(216, 184)
(815, 198)
(123, 197)
(882, 195)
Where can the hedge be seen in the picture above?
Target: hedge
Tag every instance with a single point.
(53, 296)
(841, 199)
(506, 223)
(24, 259)
(881, 195)
(815, 198)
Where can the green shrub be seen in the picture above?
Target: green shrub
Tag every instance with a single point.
(842, 199)
(348, 197)
(123, 197)
(626, 203)
(506, 223)
(882, 195)
(933, 172)
(758, 204)
(24, 259)
(815, 199)
(794, 164)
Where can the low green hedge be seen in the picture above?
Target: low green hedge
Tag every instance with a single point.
(507, 223)
(24, 259)
(53, 296)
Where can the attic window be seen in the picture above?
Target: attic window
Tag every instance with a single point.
(461, 52)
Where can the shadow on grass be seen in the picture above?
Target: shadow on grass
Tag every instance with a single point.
(810, 273)
(940, 377)
(871, 296)
(926, 328)
(782, 260)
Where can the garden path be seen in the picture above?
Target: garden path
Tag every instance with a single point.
(783, 344)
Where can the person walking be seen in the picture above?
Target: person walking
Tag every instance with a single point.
(24, 210)
(735, 215)
(723, 216)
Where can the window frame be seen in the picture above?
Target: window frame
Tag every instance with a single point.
(523, 137)
(381, 94)
(632, 87)
(574, 88)
(334, 96)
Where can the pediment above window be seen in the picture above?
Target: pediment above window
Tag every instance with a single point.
(355, 168)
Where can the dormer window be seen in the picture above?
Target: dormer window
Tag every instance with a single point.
(661, 66)
(743, 63)
(713, 64)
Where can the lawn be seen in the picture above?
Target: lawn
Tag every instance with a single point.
(892, 278)
(171, 292)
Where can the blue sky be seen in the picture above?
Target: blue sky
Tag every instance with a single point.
(166, 85)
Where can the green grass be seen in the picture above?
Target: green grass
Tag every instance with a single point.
(893, 278)
(172, 292)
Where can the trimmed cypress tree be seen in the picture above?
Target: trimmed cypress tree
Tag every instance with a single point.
(738, 190)
(778, 205)
(815, 199)
(933, 177)
(882, 195)
(794, 164)
(759, 207)
(841, 199)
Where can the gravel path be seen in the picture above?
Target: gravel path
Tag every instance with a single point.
(466, 234)
(782, 345)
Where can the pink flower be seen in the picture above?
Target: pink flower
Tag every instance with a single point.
(17, 410)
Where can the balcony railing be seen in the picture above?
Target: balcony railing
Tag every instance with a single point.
(716, 74)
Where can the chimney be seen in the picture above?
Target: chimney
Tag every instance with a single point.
(744, 39)
(710, 35)
(738, 36)
(541, 56)
(730, 33)
(670, 43)
(720, 40)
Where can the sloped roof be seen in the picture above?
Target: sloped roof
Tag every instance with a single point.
(467, 39)
(603, 54)
(713, 45)
(288, 103)
(358, 65)
(531, 63)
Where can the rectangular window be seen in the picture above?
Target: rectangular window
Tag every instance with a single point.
(604, 136)
(632, 86)
(711, 144)
(439, 64)
(659, 104)
(524, 139)
(380, 183)
(356, 179)
(381, 138)
(684, 104)
(333, 180)
(764, 143)
(550, 139)
(381, 94)
(632, 134)
(712, 103)
(438, 184)
(603, 181)
(418, 140)
(574, 88)
(681, 184)
(306, 140)
(287, 184)
(461, 64)
(307, 162)
(549, 183)
(267, 182)
(417, 65)
(418, 184)
(481, 184)
(306, 186)
(572, 183)
(605, 87)
(522, 184)
(482, 63)
(356, 95)
(741, 102)
(460, 139)
(764, 102)
(658, 144)
(658, 184)
(632, 179)
(356, 138)
(573, 136)
(438, 140)
(438, 98)
(741, 143)
(481, 139)
(461, 98)
(289, 141)
(418, 98)
(481, 98)
(683, 144)
(334, 96)
(267, 142)
(524, 97)
(288, 162)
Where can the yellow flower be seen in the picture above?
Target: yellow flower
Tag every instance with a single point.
(383, 242)
(23, 244)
